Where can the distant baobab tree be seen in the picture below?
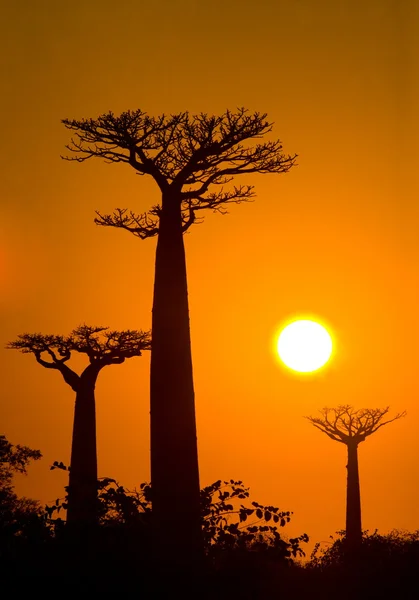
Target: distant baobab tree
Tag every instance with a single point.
(102, 347)
(348, 426)
(192, 159)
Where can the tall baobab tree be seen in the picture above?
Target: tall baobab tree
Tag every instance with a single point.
(348, 426)
(192, 159)
(102, 347)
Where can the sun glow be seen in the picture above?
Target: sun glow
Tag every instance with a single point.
(304, 346)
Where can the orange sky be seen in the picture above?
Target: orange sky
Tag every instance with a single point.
(337, 237)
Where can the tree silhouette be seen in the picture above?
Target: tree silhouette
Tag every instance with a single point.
(191, 158)
(387, 566)
(102, 347)
(348, 426)
(14, 459)
(21, 518)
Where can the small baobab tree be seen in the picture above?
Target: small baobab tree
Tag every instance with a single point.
(192, 159)
(348, 426)
(103, 347)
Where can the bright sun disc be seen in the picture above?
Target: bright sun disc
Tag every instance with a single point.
(304, 346)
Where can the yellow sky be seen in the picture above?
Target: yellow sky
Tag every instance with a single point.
(337, 237)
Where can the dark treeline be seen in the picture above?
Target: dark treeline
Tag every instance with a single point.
(247, 551)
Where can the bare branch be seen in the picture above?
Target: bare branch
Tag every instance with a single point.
(38, 344)
(377, 425)
(133, 138)
(215, 200)
(187, 155)
(324, 429)
(349, 425)
(143, 226)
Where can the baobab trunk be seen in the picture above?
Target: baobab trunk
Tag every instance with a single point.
(174, 454)
(353, 503)
(82, 493)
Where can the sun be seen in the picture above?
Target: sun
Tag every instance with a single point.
(304, 346)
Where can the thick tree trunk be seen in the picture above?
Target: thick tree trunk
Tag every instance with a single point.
(82, 493)
(174, 455)
(353, 504)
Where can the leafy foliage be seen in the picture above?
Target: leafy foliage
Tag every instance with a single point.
(226, 526)
(387, 567)
(14, 459)
(225, 518)
(20, 518)
(377, 550)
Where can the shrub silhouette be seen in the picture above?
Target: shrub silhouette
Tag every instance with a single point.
(22, 521)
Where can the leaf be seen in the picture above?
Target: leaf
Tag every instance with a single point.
(259, 513)
(267, 515)
(59, 465)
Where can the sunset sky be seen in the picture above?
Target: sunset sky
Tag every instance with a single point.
(336, 238)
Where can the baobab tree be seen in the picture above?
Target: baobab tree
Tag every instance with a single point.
(103, 347)
(348, 426)
(192, 159)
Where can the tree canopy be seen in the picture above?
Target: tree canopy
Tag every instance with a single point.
(345, 424)
(101, 345)
(194, 157)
